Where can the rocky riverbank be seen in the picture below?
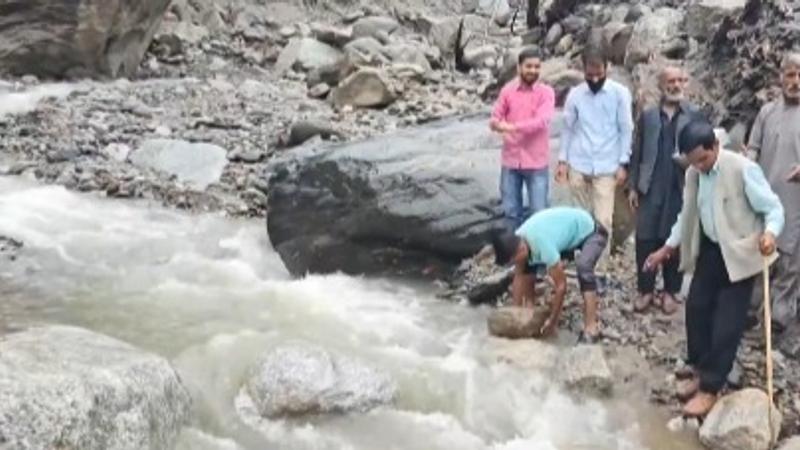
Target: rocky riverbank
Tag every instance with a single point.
(656, 339)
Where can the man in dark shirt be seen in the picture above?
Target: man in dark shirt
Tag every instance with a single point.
(656, 185)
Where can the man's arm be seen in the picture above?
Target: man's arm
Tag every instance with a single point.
(543, 114)
(523, 286)
(625, 126)
(559, 277)
(499, 112)
(676, 233)
(763, 199)
(570, 120)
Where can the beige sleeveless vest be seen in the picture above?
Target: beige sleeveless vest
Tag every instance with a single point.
(739, 227)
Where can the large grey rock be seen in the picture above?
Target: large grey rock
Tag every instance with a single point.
(477, 57)
(517, 323)
(77, 38)
(374, 27)
(408, 53)
(300, 379)
(196, 164)
(584, 369)
(441, 31)
(739, 421)
(703, 17)
(553, 35)
(306, 54)
(366, 51)
(652, 33)
(331, 35)
(366, 88)
(68, 388)
(558, 73)
(616, 36)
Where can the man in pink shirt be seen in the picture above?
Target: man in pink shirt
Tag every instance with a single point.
(522, 114)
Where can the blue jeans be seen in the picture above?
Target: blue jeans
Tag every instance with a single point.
(537, 186)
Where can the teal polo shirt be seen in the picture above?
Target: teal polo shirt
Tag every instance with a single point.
(552, 231)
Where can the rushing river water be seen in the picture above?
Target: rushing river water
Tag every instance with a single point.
(209, 294)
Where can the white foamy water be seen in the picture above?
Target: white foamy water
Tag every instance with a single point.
(209, 294)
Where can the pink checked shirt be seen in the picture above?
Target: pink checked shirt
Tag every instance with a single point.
(530, 109)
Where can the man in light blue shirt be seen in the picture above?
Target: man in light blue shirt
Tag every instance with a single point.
(550, 237)
(726, 234)
(596, 139)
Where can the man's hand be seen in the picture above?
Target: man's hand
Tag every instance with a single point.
(562, 171)
(504, 127)
(767, 243)
(549, 326)
(657, 259)
(621, 176)
(633, 199)
(794, 174)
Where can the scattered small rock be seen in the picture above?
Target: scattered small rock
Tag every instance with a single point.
(304, 130)
(197, 164)
(319, 90)
(584, 368)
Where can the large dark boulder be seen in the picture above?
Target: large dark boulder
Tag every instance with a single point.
(76, 38)
(415, 200)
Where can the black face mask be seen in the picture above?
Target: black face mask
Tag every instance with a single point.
(595, 86)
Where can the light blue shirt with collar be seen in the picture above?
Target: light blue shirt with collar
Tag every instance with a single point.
(598, 129)
(759, 194)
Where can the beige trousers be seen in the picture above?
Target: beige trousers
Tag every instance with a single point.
(595, 193)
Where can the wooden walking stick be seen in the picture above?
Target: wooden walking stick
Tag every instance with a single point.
(768, 332)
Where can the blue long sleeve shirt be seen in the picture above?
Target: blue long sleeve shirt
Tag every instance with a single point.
(598, 129)
(759, 194)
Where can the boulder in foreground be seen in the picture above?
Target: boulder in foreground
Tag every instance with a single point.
(69, 388)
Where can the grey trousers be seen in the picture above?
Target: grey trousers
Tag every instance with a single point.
(784, 285)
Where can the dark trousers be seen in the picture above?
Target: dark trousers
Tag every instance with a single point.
(716, 317)
(646, 280)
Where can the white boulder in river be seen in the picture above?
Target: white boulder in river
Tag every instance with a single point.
(301, 379)
(69, 388)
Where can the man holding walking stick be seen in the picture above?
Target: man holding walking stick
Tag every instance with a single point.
(730, 215)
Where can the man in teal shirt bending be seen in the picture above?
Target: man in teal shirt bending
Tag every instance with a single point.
(550, 237)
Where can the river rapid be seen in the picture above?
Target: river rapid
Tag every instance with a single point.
(209, 294)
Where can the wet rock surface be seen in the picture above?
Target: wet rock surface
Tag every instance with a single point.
(300, 380)
(517, 323)
(402, 202)
(740, 421)
(65, 387)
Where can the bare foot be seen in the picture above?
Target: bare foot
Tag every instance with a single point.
(642, 303)
(700, 404)
(669, 304)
